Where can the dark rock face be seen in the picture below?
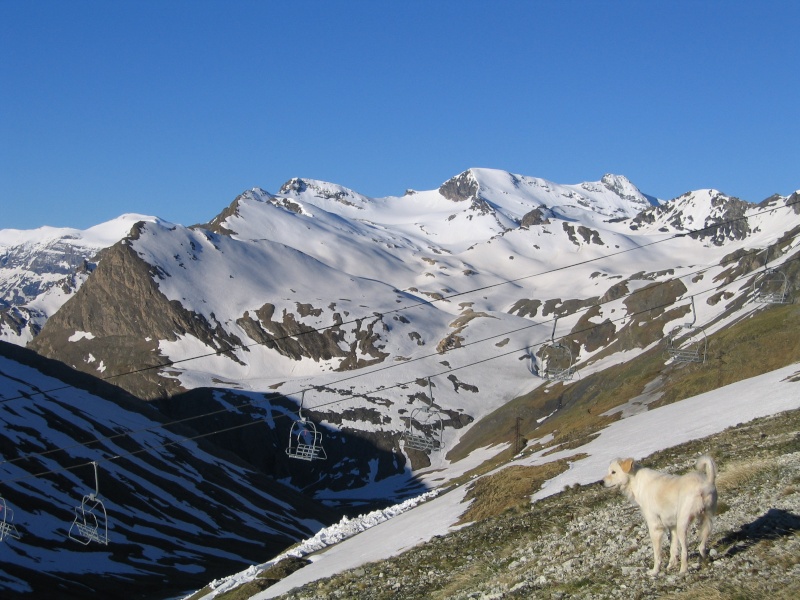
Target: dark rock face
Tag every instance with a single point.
(296, 185)
(525, 307)
(126, 314)
(296, 341)
(726, 220)
(589, 236)
(537, 216)
(460, 188)
(18, 319)
(728, 223)
(216, 224)
(290, 338)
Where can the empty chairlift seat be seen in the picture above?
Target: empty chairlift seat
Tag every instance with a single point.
(91, 520)
(305, 442)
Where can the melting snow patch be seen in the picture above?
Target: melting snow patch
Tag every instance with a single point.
(334, 534)
(80, 335)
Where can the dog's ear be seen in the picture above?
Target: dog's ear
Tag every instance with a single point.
(626, 465)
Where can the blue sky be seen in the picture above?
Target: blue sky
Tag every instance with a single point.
(172, 108)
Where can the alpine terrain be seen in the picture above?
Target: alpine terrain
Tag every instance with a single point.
(398, 347)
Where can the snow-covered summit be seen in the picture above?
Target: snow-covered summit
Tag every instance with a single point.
(97, 236)
(614, 196)
(323, 190)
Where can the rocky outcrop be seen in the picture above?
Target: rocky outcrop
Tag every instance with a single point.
(112, 326)
(461, 188)
(726, 222)
(537, 216)
(725, 217)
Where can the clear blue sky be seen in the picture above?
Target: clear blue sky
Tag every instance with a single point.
(174, 107)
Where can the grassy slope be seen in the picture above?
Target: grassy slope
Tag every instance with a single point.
(761, 343)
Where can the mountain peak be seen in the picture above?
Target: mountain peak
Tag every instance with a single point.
(620, 185)
(460, 188)
(298, 187)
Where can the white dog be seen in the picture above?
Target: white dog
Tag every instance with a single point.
(669, 502)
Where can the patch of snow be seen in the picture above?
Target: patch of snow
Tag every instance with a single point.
(81, 335)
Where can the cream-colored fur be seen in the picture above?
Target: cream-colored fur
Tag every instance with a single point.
(669, 503)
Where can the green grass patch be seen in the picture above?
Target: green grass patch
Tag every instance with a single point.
(508, 489)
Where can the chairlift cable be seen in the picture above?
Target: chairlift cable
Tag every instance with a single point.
(369, 373)
(422, 302)
(187, 419)
(340, 400)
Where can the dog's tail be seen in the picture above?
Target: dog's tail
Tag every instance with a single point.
(706, 465)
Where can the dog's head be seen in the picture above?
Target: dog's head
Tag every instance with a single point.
(619, 472)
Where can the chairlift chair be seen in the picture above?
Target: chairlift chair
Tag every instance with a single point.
(305, 442)
(91, 521)
(771, 286)
(425, 428)
(556, 360)
(7, 527)
(422, 420)
(695, 349)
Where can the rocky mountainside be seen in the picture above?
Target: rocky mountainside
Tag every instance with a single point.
(354, 303)
(440, 314)
(41, 269)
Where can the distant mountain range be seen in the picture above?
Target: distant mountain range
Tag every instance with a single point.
(319, 302)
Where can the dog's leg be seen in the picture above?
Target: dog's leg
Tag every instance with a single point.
(656, 536)
(673, 548)
(682, 530)
(704, 533)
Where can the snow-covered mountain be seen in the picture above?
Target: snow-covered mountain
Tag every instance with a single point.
(283, 292)
(41, 268)
(359, 313)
